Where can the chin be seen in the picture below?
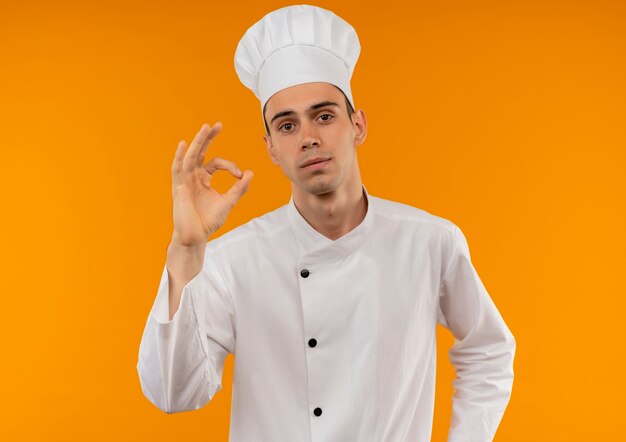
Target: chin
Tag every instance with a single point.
(320, 187)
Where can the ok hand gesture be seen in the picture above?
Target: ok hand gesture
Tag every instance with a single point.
(199, 210)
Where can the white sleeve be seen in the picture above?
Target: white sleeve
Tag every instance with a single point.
(181, 361)
(483, 351)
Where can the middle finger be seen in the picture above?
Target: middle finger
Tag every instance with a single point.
(203, 137)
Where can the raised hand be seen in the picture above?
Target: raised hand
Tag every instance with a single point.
(199, 210)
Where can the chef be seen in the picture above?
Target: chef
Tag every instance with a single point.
(329, 303)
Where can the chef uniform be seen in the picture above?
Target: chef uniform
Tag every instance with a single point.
(334, 340)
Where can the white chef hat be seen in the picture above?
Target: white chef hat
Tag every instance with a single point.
(297, 44)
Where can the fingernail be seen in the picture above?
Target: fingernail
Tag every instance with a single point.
(238, 171)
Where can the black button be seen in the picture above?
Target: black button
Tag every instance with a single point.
(312, 342)
(317, 411)
(304, 273)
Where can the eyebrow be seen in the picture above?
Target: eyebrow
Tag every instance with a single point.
(312, 108)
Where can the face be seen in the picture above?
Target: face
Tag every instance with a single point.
(303, 128)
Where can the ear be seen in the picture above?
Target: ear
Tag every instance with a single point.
(360, 124)
(271, 150)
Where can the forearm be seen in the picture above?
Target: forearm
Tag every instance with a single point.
(181, 358)
(176, 369)
(183, 264)
(483, 383)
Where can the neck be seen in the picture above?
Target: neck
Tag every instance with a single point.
(335, 213)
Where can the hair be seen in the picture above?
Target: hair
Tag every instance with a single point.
(348, 107)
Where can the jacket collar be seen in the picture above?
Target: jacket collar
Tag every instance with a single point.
(313, 245)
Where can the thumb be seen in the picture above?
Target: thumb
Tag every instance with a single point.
(240, 187)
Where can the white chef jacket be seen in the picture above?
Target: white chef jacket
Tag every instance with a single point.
(334, 340)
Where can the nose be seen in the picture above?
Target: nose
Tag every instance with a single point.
(310, 136)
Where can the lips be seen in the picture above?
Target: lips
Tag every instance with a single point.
(314, 160)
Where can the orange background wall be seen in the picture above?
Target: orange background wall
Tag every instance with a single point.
(506, 117)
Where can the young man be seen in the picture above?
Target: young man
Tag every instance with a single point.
(329, 303)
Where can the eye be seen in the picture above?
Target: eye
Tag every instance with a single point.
(286, 124)
(326, 115)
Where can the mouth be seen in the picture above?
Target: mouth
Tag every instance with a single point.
(315, 162)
